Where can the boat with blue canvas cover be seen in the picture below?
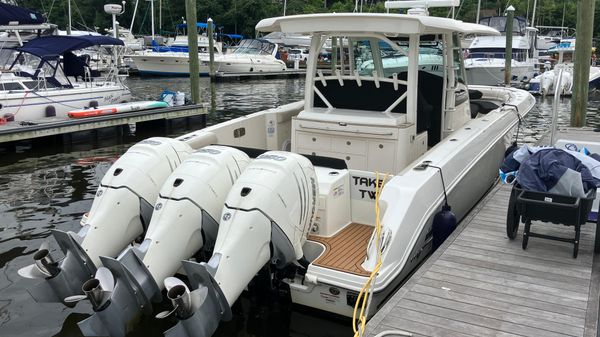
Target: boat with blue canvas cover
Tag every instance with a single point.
(19, 25)
(173, 60)
(46, 79)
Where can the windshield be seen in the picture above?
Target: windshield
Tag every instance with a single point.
(394, 61)
(499, 23)
(255, 47)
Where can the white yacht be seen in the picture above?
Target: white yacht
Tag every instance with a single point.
(545, 83)
(45, 79)
(173, 60)
(335, 196)
(251, 55)
(485, 57)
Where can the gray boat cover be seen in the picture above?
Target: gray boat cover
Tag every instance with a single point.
(551, 170)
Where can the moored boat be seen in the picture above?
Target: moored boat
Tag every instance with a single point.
(45, 79)
(486, 55)
(341, 187)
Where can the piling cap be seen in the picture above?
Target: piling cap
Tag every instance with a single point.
(510, 8)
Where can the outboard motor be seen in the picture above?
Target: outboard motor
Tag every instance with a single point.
(266, 218)
(120, 213)
(184, 220)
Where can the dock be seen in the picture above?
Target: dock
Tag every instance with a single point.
(27, 130)
(290, 73)
(480, 283)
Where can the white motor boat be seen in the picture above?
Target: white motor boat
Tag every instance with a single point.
(431, 60)
(545, 83)
(340, 195)
(45, 79)
(485, 58)
(251, 55)
(173, 60)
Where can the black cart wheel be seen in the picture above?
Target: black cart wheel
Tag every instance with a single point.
(512, 216)
(526, 233)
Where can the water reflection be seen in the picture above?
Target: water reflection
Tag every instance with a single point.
(50, 188)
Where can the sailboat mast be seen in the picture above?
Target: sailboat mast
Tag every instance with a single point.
(533, 15)
(478, 10)
(133, 17)
(159, 16)
(69, 14)
(152, 14)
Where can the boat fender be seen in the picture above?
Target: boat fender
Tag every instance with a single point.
(444, 223)
(9, 117)
(93, 104)
(50, 111)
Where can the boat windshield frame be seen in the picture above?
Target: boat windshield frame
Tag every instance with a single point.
(315, 75)
(255, 47)
(54, 63)
(499, 23)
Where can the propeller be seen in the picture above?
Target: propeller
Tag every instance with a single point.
(180, 297)
(44, 265)
(98, 289)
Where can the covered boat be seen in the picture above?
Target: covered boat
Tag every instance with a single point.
(46, 79)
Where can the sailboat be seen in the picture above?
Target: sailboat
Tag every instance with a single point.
(46, 79)
(335, 197)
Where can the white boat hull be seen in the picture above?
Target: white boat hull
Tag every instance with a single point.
(491, 71)
(31, 106)
(166, 64)
(254, 63)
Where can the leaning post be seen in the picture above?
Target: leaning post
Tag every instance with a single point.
(192, 30)
(510, 15)
(581, 68)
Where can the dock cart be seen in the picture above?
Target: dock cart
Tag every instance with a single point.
(530, 206)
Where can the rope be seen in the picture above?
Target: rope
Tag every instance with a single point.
(53, 101)
(363, 299)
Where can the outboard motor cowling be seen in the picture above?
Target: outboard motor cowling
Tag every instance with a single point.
(271, 206)
(184, 220)
(266, 218)
(120, 212)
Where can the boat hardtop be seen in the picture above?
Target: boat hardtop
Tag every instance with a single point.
(398, 24)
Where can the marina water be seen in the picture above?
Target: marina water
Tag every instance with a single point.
(52, 188)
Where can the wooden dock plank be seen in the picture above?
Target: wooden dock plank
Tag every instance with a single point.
(479, 308)
(483, 284)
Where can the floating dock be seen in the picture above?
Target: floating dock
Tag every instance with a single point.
(290, 73)
(480, 283)
(27, 130)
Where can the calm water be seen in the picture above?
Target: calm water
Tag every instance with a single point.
(52, 189)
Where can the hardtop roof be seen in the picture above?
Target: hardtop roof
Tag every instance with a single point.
(389, 24)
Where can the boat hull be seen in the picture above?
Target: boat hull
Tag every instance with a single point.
(484, 72)
(166, 64)
(31, 106)
(469, 159)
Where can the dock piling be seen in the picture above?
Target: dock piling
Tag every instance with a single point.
(190, 13)
(581, 68)
(510, 15)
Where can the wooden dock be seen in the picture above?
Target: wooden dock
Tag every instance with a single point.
(18, 131)
(480, 283)
(290, 73)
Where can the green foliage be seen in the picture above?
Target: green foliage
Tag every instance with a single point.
(240, 16)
